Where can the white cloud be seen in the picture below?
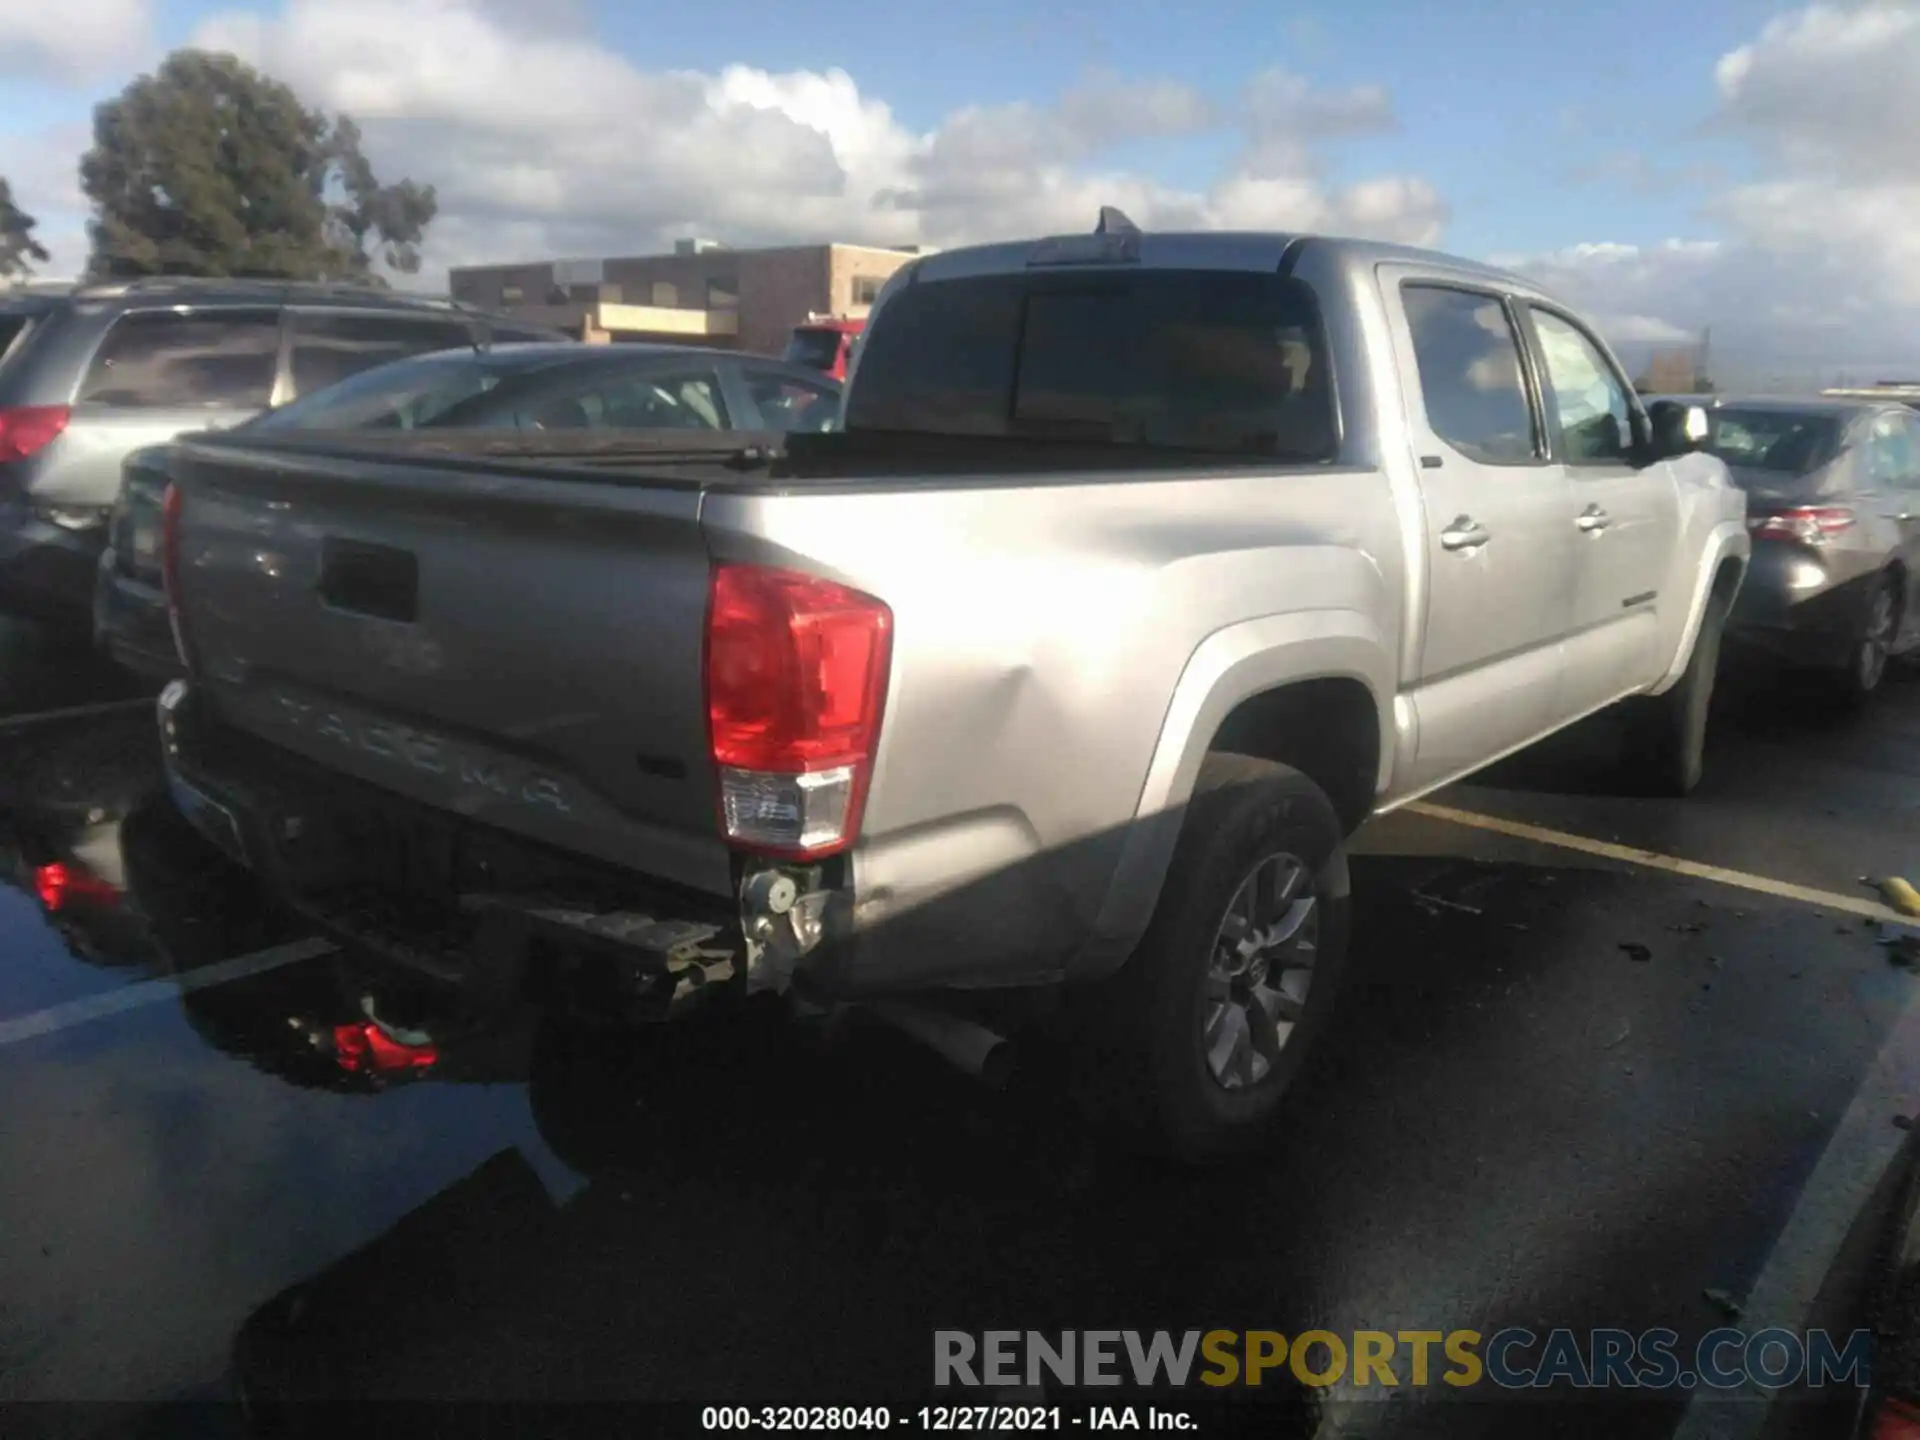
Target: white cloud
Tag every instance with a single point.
(43, 170)
(542, 142)
(72, 41)
(1820, 267)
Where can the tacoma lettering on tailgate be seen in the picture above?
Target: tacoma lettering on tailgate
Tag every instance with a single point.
(428, 753)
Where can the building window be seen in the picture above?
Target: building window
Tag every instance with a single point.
(723, 293)
(866, 289)
(665, 294)
(511, 294)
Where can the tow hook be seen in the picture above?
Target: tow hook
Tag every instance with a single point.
(783, 913)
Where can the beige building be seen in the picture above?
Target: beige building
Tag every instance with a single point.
(702, 294)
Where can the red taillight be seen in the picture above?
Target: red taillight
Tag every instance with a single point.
(170, 505)
(1894, 1420)
(27, 428)
(796, 682)
(1808, 524)
(364, 1047)
(58, 885)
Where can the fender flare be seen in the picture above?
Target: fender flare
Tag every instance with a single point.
(1728, 541)
(1232, 664)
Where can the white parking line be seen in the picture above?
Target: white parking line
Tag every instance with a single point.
(1673, 864)
(73, 712)
(1864, 1144)
(151, 992)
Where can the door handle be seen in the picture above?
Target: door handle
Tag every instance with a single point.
(1593, 519)
(1465, 533)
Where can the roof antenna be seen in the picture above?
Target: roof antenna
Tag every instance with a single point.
(1113, 221)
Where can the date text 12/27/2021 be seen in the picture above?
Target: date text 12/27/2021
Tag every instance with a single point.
(944, 1419)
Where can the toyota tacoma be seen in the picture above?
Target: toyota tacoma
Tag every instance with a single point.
(1142, 570)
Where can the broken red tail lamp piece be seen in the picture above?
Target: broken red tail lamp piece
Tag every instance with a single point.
(1894, 1419)
(363, 1048)
(60, 885)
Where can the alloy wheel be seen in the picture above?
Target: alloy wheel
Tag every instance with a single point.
(1259, 971)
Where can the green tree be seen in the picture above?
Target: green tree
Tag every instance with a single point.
(208, 167)
(19, 251)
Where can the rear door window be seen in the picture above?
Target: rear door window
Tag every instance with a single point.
(634, 402)
(596, 397)
(1471, 379)
(1891, 459)
(13, 330)
(399, 396)
(788, 403)
(186, 360)
(1213, 361)
(331, 347)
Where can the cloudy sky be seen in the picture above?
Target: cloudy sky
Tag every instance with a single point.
(1743, 164)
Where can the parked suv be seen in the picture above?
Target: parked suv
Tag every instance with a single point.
(90, 373)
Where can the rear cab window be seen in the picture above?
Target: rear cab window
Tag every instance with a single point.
(1782, 442)
(1202, 361)
(186, 360)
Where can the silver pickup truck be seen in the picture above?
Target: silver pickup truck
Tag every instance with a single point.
(1143, 569)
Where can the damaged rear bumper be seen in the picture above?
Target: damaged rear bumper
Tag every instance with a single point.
(465, 903)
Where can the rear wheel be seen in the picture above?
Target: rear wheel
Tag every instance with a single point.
(1209, 1021)
(1865, 669)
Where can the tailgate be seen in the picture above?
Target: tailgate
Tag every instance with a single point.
(522, 650)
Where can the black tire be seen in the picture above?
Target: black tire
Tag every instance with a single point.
(1667, 734)
(1147, 1075)
(1859, 678)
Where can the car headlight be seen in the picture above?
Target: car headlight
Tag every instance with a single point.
(71, 517)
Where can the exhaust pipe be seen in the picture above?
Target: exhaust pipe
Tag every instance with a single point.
(970, 1047)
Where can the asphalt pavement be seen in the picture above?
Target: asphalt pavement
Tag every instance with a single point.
(1568, 1087)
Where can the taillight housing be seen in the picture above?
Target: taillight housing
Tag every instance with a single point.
(25, 429)
(364, 1048)
(796, 678)
(1805, 524)
(62, 884)
(1893, 1419)
(170, 507)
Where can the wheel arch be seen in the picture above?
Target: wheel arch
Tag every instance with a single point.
(1312, 690)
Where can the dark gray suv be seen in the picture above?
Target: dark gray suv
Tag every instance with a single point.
(90, 373)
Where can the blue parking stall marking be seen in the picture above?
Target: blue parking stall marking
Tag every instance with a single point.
(65, 1016)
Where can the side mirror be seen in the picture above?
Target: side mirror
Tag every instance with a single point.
(1678, 428)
